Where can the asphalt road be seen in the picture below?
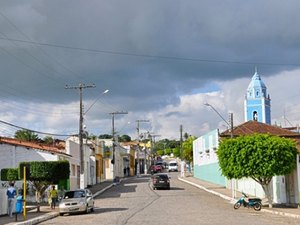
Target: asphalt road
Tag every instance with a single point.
(134, 202)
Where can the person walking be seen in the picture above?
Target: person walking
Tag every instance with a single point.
(53, 196)
(11, 193)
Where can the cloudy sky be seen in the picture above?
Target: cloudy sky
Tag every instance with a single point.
(161, 60)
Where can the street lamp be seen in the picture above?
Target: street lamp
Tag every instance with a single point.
(231, 136)
(231, 118)
(104, 92)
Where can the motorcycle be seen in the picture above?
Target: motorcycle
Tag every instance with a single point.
(255, 203)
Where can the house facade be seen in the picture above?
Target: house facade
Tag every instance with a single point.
(206, 164)
(13, 151)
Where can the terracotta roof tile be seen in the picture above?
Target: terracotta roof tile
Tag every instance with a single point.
(33, 145)
(252, 127)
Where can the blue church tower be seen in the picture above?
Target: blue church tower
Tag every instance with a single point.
(257, 101)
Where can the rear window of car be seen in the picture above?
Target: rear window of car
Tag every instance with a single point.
(173, 164)
(162, 176)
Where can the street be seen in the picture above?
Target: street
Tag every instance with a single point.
(134, 202)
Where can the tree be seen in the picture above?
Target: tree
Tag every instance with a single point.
(187, 149)
(40, 174)
(176, 152)
(124, 138)
(105, 136)
(48, 140)
(26, 135)
(258, 156)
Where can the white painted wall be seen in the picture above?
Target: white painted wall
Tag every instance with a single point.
(11, 156)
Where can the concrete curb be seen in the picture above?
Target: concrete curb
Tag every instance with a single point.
(281, 213)
(36, 220)
(101, 191)
(207, 190)
(233, 200)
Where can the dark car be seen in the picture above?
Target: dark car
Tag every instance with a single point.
(161, 180)
(156, 169)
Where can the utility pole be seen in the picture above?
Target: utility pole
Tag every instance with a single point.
(113, 161)
(81, 87)
(180, 142)
(138, 147)
(153, 136)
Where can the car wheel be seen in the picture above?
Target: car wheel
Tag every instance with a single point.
(61, 214)
(86, 209)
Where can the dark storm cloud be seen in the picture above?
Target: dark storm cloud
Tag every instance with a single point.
(197, 42)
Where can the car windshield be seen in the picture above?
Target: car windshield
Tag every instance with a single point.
(173, 164)
(74, 194)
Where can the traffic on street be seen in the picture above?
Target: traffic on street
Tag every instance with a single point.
(134, 202)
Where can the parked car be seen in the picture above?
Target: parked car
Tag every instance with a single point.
(77, 201)
(161, 180)
(173, 166)
(156, 169)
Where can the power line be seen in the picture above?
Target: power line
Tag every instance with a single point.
(148, 55)
(41, 49)
(34, 131)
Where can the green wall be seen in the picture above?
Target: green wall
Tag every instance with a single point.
(211, 173)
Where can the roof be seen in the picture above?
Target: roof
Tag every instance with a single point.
(34, 145)
(256, 82)
(252, 127)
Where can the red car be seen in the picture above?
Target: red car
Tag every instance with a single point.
(156, 169)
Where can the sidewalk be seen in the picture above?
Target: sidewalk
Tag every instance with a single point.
(46, 213)
(226, 194)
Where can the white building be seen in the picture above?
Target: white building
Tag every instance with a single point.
(13, 151)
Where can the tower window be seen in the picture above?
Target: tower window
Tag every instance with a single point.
(255, 116)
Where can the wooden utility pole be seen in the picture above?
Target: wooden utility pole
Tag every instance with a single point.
(81, 87)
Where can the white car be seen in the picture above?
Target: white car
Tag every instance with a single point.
(77, 201)
(173, 166)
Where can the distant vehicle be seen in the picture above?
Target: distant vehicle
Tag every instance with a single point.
(173, 166)
(156, 169)
(161, 180)
(76, 201)
(162, 163)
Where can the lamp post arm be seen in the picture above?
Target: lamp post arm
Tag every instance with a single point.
(218, 114)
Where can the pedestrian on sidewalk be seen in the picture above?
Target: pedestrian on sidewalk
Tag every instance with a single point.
(53, 196)
(11, 193)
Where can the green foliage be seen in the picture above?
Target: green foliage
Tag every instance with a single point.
(105, 136)
(124, 138)
(9, 174)
(187, 149)
(160, 152)
(49, 171)
(26, 135)
(48, 140)
(176, 152)
(258, 156)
